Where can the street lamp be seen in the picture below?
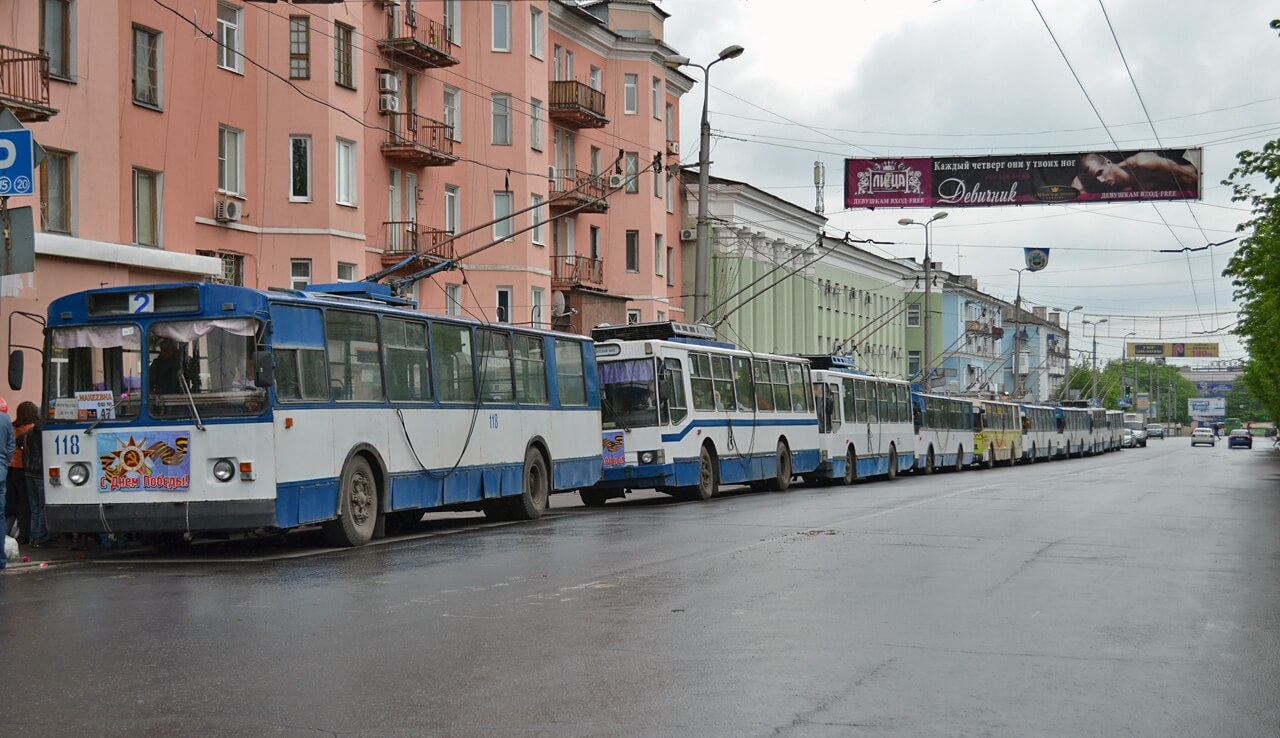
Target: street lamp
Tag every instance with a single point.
(1095, 324)
(1066, 372)
(1017, 319)
(927, 357)
(702, 253)
(1123, 345)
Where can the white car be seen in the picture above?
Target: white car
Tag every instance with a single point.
(1126, 440)
(1203, 436)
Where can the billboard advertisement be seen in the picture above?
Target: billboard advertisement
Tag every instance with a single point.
(1213, 389)
(1022, 179)
(1170, 350)
(1207, 408)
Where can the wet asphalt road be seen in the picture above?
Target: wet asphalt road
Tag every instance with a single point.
(1132, 594)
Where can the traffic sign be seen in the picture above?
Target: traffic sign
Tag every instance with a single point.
(17, 163)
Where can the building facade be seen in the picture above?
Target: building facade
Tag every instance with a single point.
(966, 331)
(277, 145)
(1041, 342)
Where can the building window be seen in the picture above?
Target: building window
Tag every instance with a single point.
(501, 120)
(633, 316)
(502, 25)
(630, 94)
(56, 21)
(633, 251)
(658, 183)
(913, 315)
(451, 208)
(232, 268)
(657, 99)
(502, 215)
(913, 363)
(594, 237)
(593, 78)
(230, 38)
(346, 172)
(299, 47)
(671, 194)
(230, 161)
(539, 227)
(671, 267)
(537, 294)
(300, 168)
(344, 64)
(347, 272)
(453, 299)
(662, 316)
(146, 207)
(503, 314)
(146, 67)
(671, 122)
(55, 192)
(535, 124)
(453, 20)
(633, 172)
(659, 254)
(536, 48)
(299, 273)
(452, 130)
(595, 161)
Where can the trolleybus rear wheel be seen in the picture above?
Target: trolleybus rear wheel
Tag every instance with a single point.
(959, 458)
(708, 476)
(893, 463)
(782, 475)
(535, 490)
(357, 508)
(929, 462)
(850, 466)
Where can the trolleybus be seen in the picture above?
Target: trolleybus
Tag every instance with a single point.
(944, 429)
(864, 422)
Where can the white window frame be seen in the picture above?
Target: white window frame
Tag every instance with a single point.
(352, 271)
(671, 266)
(594, 78)
(158, 217)
(501, 35)
(230, 55)
(294, 279)
(670, 194)
(537, 304)
(659, 253)
(452, 194)
(453, 20)
(626, 245)
(539, 232)
(157, 49)
(500, 119)
(231, 151)
(913, 315)
(309, 194)
(633, 316)
(537, 45)
(631, 94)
(502, 225)
(453, 113)
(453, 299)
(670, 122)
(657, 98)
(346, 176)
(498, 293)
(535, 124)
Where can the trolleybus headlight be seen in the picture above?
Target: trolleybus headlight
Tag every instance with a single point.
(650, 457)
(223, 470)
(78, 474)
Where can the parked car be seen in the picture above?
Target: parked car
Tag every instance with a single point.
(1140, 437)
(1126, 440)
(1203, 436)
(1239, 438)
(1155, 430)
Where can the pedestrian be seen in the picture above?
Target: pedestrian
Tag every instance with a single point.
(16, 486)
(6, 450)
(32, 446)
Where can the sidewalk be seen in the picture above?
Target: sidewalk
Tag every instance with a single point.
(60, 551)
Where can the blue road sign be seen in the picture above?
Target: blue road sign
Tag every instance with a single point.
(17, 163)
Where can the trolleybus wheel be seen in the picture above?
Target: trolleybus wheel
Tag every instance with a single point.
(1032, 458)
(782, 475)
(357, 508)
(1013, 456)
(535, 490)
(893, 463)
(708, 476)
(593, 497)
(850, 466)
(929, 462)
(959, 458)
(989, 458)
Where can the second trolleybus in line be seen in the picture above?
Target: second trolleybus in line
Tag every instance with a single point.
(199, 407)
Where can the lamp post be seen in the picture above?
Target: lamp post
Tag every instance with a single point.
(702, 253)
(1095, 323)
(1066, 372)
(1017, 339)
(926, 357)
(1123, 345)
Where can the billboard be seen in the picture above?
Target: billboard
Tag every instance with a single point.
(1171, 350)
(1214, 389)
(1207, 408)
(1023, 179)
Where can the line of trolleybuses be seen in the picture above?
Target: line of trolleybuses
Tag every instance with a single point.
(190, 409)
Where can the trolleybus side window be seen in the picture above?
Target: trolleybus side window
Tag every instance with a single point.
(850, 404)
(408, 361)
(742, 382)
(888, 405)
(873, 402)
(570, 373)
(531, 370)
(452, 361)
(495, 368)
(673, 404)
(99, 359)
(300, 375)
(801, 390)
(764, 390)
(700, 382)
(355, 367)
(860, 399)
(781, 391)
(723, 376)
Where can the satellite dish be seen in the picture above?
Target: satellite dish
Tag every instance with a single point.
(558, 306)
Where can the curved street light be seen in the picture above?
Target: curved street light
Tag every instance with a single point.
(926, 363)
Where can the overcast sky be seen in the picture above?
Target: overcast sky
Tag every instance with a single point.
(824, 80)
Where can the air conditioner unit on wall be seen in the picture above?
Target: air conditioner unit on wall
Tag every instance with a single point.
(388, 104)
(688, 234)
(673, 148)
(226, 210)
(616, 181)
(388, 82)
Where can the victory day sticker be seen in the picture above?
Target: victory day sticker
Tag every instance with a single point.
(149, 461)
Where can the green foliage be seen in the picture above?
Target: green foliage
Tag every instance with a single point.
(1255, 269)
(1161, 383)
(1243, 404)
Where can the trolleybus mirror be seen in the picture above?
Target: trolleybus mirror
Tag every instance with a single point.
(15, 370)
(263, 369)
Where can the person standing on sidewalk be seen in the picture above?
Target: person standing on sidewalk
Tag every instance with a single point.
(32, 444)
(6, 451)
(16, 489)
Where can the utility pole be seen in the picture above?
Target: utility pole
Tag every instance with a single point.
(1017, 334)
(927, 354)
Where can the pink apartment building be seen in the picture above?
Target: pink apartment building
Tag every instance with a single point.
(277, 144)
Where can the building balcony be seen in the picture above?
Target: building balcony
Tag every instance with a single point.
(416, 41)
(407, 238)
(418, 141)
(574, 271)
(998, 332)
(576, 105)
(978, 326)
(570, 189)
(24, 84)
